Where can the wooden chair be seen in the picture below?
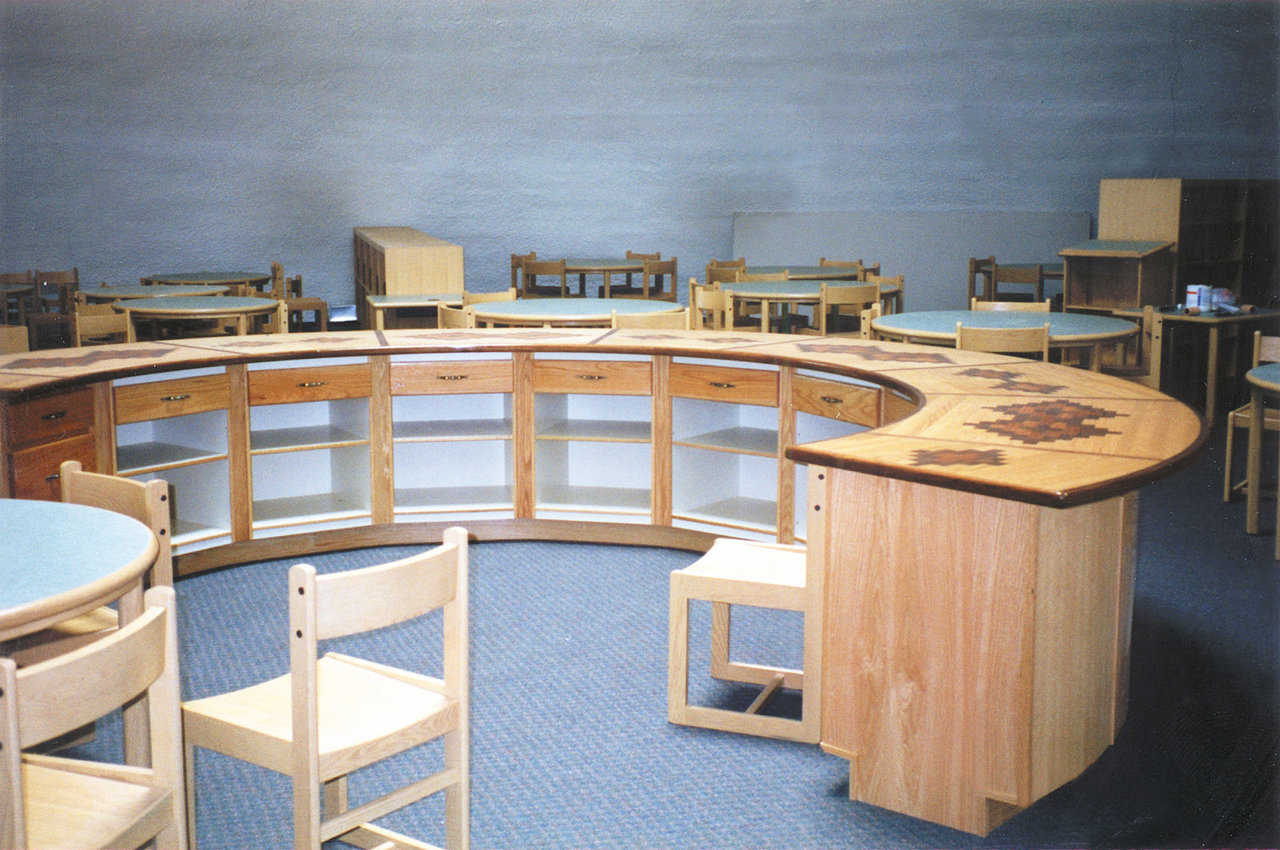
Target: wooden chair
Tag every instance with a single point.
(893, 288)
(765, 575)
(868, 316)
(96, 324)
(1004, 340)
(299, 305)
(854, 299)
(49, 309)
(630, 288)
(534, 269)
(49, 801)
(15, 306)
(1025, 274)
(1013, 306)
(653, 278)
(855, 266)
(482, 297)
(13, 339)
(708, 302)
(1266, 349)
(148, 503)
(716, 275)
(672, 321)
(981, 267)
(455, 317)
(330, 716)
(517, 265)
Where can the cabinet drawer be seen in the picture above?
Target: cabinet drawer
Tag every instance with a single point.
(835, 400)
(724, 383)
(311, 383)
(472, 376)
(162, 399)
(600, 378)
(54, 417)
(35, 470)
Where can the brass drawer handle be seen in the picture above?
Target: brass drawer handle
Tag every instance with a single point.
(591, 377)
(54, 477)
(721, 385)
(180, 397)
(54, 416)
(451, 377)
(311, 384)
(831, 399)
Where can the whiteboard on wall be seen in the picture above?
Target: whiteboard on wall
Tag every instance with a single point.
(930, 249)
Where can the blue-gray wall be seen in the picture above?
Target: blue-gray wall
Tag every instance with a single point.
(152, 135)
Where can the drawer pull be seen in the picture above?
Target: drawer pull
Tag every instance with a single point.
(54, 416)
(179, 397)
(53, 477)
(451, 377)
(311, 384)
(831, 399)
(721, 385)
(591, 377)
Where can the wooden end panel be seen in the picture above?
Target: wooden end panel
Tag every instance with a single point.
(54, 417)
(834, 400)
(468, 376)
(35, 470)
(163, 399)
(312, 383)
(606, 377)
(895, 406)
(725, 383)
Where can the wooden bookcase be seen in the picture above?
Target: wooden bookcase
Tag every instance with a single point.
(403, 261)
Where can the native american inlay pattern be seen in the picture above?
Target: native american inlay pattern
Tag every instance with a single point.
(1047, 421)
(88, 359)
(957, 457)
(486, 335)
(876, 353)
(1011, 381)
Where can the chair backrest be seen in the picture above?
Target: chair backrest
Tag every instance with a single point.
(1020, 273)
(763, 276)
(147, 502)
(1011, 306)
(482, 297)
(277, 282)
(533, 269)
(984, 267)
(517, 263)
(672, 321)
(723, 274)
(833, 296)
(869, 269)
(739, 263)
(49, 698)
(707, 299)
(840, 264)
(455, 317)
(636, 255)
(653, 272)
(18, 277)
(1266, 349)
(13, 339)
(1004, 340)
(96, 322)
(59, 285)
(293, 286)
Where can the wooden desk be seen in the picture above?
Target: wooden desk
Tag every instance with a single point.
(137, 290)
(234, 308)
(235, 281)
(380, 305)
(1263, 380)
(565, 312)
(1066, 330)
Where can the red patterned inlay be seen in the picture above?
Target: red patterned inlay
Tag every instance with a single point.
(957, 457)
(1047, 421)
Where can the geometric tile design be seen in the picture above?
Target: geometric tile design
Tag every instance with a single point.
(1047, 421)
(1009, 381)
(89, 357)
(957, 457)
(876, 353)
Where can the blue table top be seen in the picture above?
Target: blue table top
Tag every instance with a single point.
(571, 308)
(1063, 327)
(199, 303)
(1266, 376)
(51, 548)
(210, 277)
(138, 290)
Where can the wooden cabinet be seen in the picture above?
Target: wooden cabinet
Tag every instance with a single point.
(1225, 232)
(1104, 274)
(402, 261)
(39, 434)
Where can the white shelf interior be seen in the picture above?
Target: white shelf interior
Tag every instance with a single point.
(161, 444)
(311, 485)
(200, 500)
(718, 486)
(465, 416)
(306, 425)
(428, 474)
(720, 426)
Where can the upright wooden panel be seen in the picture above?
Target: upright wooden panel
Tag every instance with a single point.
(660, 434)
(239, 472)
(1139, 209)
(382, 483)
(522, 428)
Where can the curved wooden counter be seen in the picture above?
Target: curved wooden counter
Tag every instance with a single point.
(975, 519)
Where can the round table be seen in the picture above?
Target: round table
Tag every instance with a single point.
(235, 308)
(808, 272)
(1066, 330)
(257, 280)
(566, 312)
(606, 267)
(787, 292)
(1263, 380)
(138, 290)
(58, 560)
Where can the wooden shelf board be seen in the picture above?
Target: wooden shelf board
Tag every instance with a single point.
(300, 439)
(753, 513)
(496, 497)
(756, 441)
(446, 430)
(593, 499)
(320, 507)
(140, 458)
(600, 430)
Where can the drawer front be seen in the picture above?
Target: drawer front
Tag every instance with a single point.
(54, 417)
(35, 470)
(160, 400)
(312, 383)
(472, 376)
(835, 400)
(598, 378)
(724, 383)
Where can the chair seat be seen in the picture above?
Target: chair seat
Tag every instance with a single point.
(255, 724)
(774, 565)
(66, 809)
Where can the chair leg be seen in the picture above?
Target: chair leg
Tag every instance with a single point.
(721, 624)
(189, 769)
(457, 797)
(678, 654)
(1227, 487)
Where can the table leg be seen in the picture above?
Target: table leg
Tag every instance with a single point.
(608, 284)
(379, 321)
(1253, 472)
(764, 315)
(1095, 357)
(1211, 379)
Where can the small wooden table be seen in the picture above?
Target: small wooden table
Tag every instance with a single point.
(235, 308)
(788, 293)
(603, 266)
(566, 312)
(808, 272)
(138, 290)
(379, 305)
(1066, 330)
(236, 281)
(1263, 380)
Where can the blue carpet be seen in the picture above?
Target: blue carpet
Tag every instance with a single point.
(571, 748)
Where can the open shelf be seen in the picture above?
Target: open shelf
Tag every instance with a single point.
(446, 430)
(454, 499)
(303, 438)
(600, 430)
(317, 507)
(141, 458)
(758, 514)
(592, 499)
(746, 440)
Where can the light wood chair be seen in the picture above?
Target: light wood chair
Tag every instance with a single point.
(837, 299)
(517, 266)
(15, 306)
(1024, 274)
(299, 305)
(764, 575)
(869, 315)
(854, 266)
(1266, 349)
(49, 309)
(981, 267)
(716, 275)
(653, 278)
(96, 324)
(330, 716)
(148, 503)
(1004, 340)
(469, 298)
(531, 270)
(48, 801)
(455, 317)
(893, 288)
(13, 339)
(630, 288)
(1013, 306)
(709, 303)
(671, 321)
